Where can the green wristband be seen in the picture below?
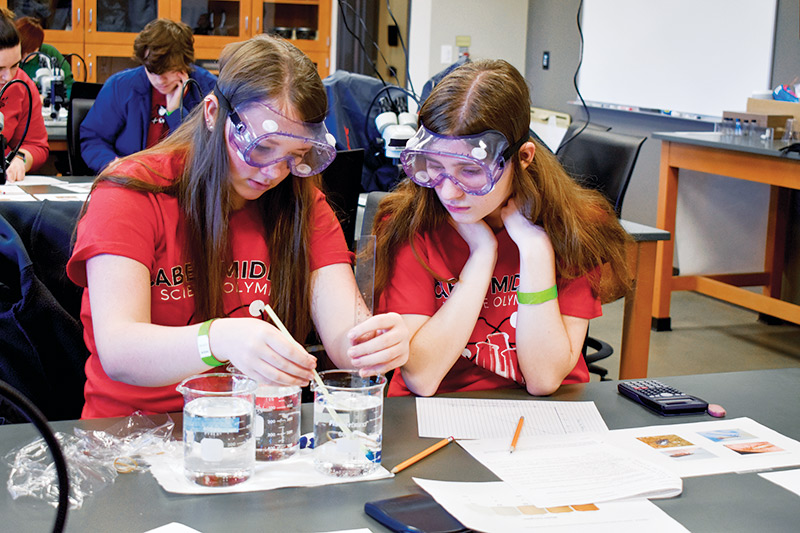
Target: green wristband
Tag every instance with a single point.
(204, 345)
(533, 298)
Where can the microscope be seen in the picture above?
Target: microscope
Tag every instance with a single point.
(396, 125)
(50, 80)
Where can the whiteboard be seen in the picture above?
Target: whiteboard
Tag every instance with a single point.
(685, 57)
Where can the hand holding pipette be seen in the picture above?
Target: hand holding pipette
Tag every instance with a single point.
(258, 349)
(321, 386)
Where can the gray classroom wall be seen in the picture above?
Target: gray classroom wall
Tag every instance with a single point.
(552, 27)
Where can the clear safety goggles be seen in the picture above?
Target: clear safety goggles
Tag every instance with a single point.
(262, 137)
(473, 162)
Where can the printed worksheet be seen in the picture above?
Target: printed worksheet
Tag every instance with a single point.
(573, 469)
(497, 507)
(470, 418)
(705, 448)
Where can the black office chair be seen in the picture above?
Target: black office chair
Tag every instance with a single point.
(342, 186)
(602, 160)
(82, 97)
(42, 353)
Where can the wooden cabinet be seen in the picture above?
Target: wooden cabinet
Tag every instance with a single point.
(307, 23)
(102, 31)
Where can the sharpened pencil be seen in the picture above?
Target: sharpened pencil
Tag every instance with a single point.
(423, 454)
(516, 435)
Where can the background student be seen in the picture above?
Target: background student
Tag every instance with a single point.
(490, 251)
(14, 106)
(138, 107)
(181, 245)
(32, 40)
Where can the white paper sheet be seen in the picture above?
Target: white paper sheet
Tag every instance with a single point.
(13, 193)
(467, 418)
(32, 179)
(705, 448)
(571, 469)
(83, 187)
(11, 189)
(359, 530)
(176, 527)
(173, 527)
(496, 507)
(788, 479)
(62, 197)
(297, 471)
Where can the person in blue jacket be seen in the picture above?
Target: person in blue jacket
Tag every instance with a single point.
(138, 107)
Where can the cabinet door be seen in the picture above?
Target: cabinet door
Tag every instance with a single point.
(75, 54)
(306, 23)
(322, 61)
(117, 22)
(62, 20)
(103, 60)
(215, 23)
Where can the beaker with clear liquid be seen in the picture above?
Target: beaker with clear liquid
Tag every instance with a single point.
(277, 422)
(348, 423)
(218, 439)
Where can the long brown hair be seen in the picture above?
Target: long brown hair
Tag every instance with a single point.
(263, 68)
(492, 95)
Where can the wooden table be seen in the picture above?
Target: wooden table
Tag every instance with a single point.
(57, 136)
(758, 162)
(635, 346)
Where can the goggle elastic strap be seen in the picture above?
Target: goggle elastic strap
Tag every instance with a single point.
(509, 152)
(232, 114)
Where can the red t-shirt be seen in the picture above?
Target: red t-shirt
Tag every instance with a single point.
(150, 229)
(14, 107)
(489, 361)
(158, 128)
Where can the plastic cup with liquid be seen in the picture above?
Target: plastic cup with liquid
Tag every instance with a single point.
(277, 422)
(218, 439)
(348, 423)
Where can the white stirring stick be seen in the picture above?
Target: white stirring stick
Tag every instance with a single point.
(322, 388)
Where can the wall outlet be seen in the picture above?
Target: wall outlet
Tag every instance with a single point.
(446, 54)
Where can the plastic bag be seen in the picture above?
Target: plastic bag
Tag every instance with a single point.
(124, 444)
(94, 459)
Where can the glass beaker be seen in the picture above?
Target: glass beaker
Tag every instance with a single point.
(789, 133)
(277, 423)
(348, 423)
(218, 443)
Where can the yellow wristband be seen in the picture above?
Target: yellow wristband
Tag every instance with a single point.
(204, 345)
(533, 298)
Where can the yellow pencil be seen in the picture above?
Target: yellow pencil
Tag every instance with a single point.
(516, 435)
(421, 455)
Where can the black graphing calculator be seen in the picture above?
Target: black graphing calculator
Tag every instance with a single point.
(662, 398)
